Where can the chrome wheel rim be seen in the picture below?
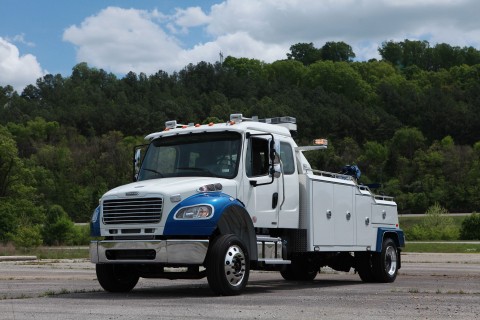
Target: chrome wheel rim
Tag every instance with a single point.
(390, 261)
(234, 265)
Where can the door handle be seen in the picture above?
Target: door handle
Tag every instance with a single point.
(274, 200)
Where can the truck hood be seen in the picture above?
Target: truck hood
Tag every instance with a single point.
(183, 186)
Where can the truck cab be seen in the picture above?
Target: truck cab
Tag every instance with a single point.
(218, 200)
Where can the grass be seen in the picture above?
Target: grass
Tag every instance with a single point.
(45, 252)
(442, 247)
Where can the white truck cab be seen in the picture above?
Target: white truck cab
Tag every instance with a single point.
(218, 200)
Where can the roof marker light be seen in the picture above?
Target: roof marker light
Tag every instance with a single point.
(236, 118)
(172, 124)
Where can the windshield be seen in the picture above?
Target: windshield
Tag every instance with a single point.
(213, 154)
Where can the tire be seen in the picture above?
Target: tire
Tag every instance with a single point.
(301, 269)
(364, 266)
(385, 263)
(228, 265)
(116, 277)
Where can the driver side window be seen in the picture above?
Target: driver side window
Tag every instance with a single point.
(257, 157)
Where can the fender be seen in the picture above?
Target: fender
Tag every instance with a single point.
(396, 234)
(236, 220)
(199, 227)
(229, 217)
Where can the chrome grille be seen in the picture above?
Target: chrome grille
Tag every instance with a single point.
(132, 211)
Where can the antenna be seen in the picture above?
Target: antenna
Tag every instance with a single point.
(221, 57)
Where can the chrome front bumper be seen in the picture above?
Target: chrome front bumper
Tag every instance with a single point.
(150, 251)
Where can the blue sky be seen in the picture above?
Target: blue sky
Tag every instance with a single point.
(51, 36)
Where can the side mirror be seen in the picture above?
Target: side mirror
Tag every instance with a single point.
(273, 160)
(137, 160)
(272, 151)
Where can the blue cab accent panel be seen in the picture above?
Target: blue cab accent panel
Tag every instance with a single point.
(381, 232)
(199, 227)
(95, 223)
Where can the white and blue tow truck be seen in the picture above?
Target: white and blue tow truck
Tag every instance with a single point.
(219, 200)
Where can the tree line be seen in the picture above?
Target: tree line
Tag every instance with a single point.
(410, 121)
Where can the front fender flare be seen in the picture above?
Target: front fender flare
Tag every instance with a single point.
(236, 220)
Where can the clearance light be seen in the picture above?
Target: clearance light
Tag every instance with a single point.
(320, 142)
(203, 211)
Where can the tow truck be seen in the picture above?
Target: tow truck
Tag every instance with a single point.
(220, 200)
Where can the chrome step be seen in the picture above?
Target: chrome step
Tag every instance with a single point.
(270, 250)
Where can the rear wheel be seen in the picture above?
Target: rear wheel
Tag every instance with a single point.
(116, 277)
(228, 265)
(301, 269)
(385, 263)
(364, 267)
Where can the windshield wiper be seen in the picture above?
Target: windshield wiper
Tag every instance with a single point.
(201, 170)
(154, 171)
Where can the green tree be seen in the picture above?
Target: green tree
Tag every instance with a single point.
(337, 51)
(338, 77)
(57, 227)
(286, 73)
(306, 53)
(9, 161)
(373, 159)
(437, 225)
(392, 52)
(470, 229)
(27, 236)
(406, 53)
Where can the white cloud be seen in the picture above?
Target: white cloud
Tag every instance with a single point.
(239, 44)
(20, 38)
(363, 24)
(122, 40)
(16, 70)
(191, 17)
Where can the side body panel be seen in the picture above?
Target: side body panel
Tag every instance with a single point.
(339, 216)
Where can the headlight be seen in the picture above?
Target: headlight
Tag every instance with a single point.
(203, 211)
(95, 215)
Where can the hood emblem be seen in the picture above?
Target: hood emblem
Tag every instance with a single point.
(132, 193)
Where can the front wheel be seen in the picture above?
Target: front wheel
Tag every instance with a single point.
(385, 263)
(228, 265)
(116, 277)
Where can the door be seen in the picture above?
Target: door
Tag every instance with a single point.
(261, 193)
(344, 215)
(289, 190)
(322, 211)
(333, 215)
